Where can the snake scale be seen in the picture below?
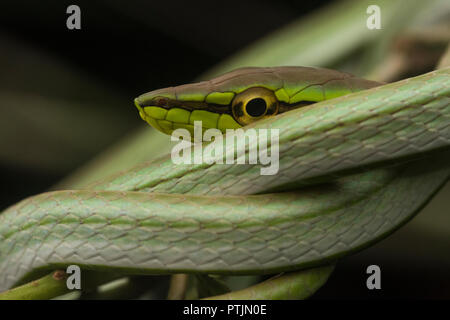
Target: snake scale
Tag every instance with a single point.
(352, 169)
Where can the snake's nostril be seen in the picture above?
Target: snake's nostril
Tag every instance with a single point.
(161, 102)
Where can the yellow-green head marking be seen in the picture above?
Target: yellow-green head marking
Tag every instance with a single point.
(243, 96)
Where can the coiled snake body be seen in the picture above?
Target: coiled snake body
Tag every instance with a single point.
(353, 167)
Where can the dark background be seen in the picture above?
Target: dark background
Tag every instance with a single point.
(126, 48)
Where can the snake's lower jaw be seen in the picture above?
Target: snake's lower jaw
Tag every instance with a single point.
(167, 121)
(150, 115)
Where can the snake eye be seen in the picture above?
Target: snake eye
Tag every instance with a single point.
(256, 107)
(254, 104)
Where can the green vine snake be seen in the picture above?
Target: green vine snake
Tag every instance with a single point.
(357, 159)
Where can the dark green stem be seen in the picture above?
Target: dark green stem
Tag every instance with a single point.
(294, 285)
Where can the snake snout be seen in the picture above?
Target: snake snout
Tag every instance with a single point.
(139, 106)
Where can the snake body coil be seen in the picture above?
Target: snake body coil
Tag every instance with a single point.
(370, 150)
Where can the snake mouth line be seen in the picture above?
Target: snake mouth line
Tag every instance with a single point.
(168, 120)
(174, 115)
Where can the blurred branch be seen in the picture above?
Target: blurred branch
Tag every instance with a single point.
(51, 111)
(445, 59)
(322, 38)
(289, 286)
(413, 52)
(47, 287)
(178, 286)
(54, 135)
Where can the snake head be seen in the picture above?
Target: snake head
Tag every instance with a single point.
(178, 107)
(240, 97)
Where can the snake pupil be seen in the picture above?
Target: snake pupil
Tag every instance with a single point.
(256, 107)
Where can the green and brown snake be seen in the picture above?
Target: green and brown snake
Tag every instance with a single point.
(357, 160)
